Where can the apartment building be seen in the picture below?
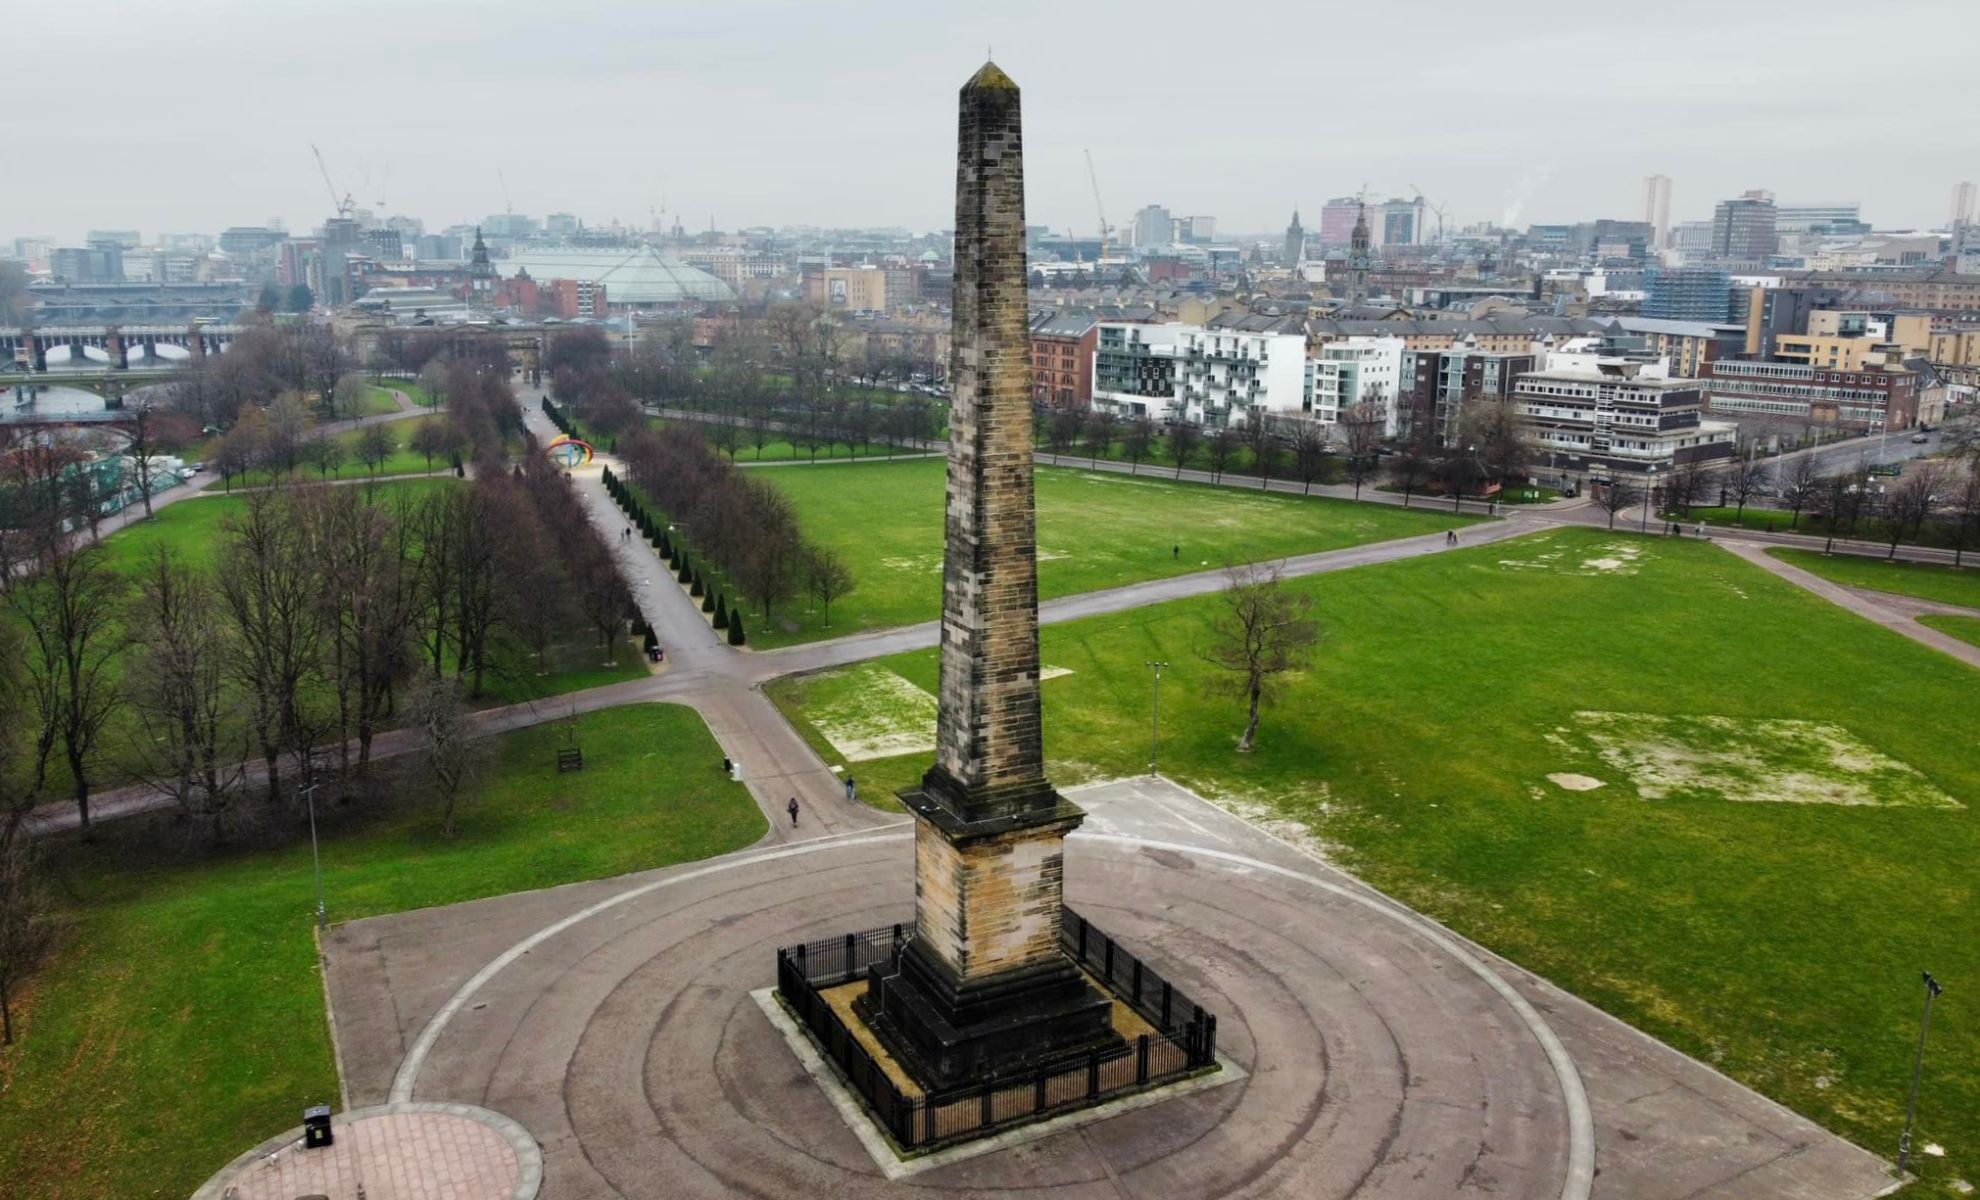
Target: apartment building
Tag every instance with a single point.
(1356, 370)
(1434, 385)
(1062, 346)
(1598, 416)
(1211, 377)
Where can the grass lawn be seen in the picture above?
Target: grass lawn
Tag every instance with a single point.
(1966, 629)
(182, 1020)
(1780, 942)
(1867, 530)
(1095, 530)
(1927, 581)
(378, 401)
(402, 462)
(192, 526)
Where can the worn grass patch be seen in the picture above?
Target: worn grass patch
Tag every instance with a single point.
(1779, 942)
(1571, 556)
(868, 712)
(1752, 761)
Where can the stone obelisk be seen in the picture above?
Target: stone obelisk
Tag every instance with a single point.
(983, 989)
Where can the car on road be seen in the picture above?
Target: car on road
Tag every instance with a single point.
(1919, 439)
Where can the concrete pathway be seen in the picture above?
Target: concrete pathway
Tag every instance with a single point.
(1871, 606)
(1386, 1056)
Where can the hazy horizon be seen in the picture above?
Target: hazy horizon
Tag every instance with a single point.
(152, 117)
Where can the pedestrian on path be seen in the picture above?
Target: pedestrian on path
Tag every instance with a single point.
(1175, 551)
(792, 808)
(852, 789)
(1701, 529)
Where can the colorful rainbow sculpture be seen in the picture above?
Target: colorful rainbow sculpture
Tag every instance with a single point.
(569, 451)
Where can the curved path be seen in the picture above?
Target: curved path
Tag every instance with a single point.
(1385, 1056)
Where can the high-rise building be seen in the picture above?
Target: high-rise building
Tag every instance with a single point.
(1830, 217)
(1688, 294)
(1402, 222)
(1154, 227)
(1295, 242)
(1962, 203)
(1657, 206)
(1337, 218)
(1743, 230)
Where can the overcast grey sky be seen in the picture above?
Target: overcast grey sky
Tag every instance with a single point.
(175, 116)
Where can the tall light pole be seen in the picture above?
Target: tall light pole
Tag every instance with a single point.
(308, 794)
(1155, 715)
(1932, 989)
(1649, 487)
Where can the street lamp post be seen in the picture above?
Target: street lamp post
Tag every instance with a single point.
(1155, 714)
(1649, 487)
(1932, 989)
(308, 794)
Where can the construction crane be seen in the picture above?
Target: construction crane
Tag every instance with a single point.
(1099, 208)
(344, 207)
(1435, 208)
(508, 206)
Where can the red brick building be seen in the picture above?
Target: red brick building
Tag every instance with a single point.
(1062, 360)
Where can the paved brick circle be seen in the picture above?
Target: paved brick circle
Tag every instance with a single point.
(407, 1151)
(1380, 1064)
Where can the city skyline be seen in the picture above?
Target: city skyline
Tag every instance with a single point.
(450, 118)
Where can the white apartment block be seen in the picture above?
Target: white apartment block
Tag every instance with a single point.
(1356, 370)
(1212, 377)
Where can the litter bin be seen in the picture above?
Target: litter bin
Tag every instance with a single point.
(316, 1127)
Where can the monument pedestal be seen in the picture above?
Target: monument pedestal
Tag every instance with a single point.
(983, 990)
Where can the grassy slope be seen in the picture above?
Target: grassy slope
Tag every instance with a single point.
(1926, 581)
(1095, 530)
(1781, 943)
(183, 1021)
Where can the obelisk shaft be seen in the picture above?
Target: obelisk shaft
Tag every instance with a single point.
(989, 743)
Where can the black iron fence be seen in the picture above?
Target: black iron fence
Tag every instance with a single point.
(1184, 1040)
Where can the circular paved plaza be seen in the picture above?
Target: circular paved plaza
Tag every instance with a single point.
(1379, 1064)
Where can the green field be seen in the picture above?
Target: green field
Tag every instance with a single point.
(1966, 629)
(182, 1019)
(378, 401)
(402, 462)
(1095, 530)
(1926, 581)
(1779, 942)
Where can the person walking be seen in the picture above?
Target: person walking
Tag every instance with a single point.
(852, 789)
(1701, 529)
(792, 808)
(1175, 551)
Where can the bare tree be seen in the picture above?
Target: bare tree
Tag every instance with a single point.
(827, 577)
(1682, 487)
(68, 607)
(1834, 500)
(1799, 483)
(1101, 427)
(143, 450)
(1745, 479)
(1184, 437)
(1616, 496)
(1262, 436)
(1964, 507)
(326, 454)
(1911, 503)
(288, 424)
(1223, 447)
(1361, 428)
(1062, 431)
(176, 684)
(1309, 450)
(1262, 632)
(347, 401)
(1136, 439)
(375, 445)
(448, 739)
(1411, 468)
(268, 580)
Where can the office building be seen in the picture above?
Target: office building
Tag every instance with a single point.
(1744, 230)
(1880, 396)
(1337, 218)
(1962, 204)
(1657, 207)
(1688, 294)
(1402, 222)
(1154, 228)
(1602, 416)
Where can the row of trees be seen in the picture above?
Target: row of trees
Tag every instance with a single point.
(744, 526)
(708, 590)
